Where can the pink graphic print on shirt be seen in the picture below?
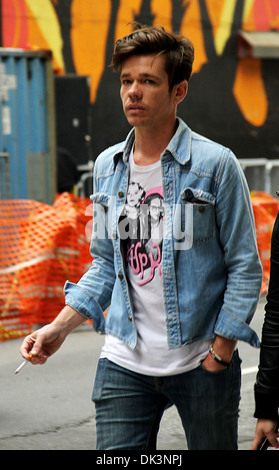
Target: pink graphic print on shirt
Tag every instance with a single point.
(143, 219)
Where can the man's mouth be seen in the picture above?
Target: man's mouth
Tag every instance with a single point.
(135, 107)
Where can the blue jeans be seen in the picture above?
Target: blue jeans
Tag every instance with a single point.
(129, 406)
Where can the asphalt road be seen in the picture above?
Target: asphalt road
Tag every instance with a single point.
(49, 407)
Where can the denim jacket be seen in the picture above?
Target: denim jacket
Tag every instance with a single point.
(211, 272)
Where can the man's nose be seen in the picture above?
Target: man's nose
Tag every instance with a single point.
(135, 90)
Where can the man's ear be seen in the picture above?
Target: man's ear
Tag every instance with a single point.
(180, 91)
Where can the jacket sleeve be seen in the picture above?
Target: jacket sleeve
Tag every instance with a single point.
(91, 296)
(267, 381)
(235, 220)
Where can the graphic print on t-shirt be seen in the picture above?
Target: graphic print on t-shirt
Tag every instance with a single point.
(143, 221)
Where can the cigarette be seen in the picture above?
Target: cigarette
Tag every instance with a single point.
(22, 365)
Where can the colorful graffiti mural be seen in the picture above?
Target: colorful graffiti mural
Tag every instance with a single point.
(234, 101)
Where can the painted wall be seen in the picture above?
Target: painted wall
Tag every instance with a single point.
(233, 101)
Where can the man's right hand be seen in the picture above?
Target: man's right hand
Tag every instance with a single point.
(40, 345)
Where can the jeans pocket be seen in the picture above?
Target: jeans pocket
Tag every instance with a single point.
(99, 379)
(214, 372)
(235, 364)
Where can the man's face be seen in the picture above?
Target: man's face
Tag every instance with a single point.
(145, 93)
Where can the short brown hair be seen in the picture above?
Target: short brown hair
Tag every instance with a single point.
(178, 50)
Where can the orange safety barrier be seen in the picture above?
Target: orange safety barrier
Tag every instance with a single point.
(42, 246)
(265, 209)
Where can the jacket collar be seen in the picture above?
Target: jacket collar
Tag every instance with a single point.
(179, 146)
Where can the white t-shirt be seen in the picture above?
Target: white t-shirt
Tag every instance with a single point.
(142, 226)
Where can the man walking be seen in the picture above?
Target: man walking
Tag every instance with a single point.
(174, 258)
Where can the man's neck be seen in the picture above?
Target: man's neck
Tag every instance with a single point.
(150, 144)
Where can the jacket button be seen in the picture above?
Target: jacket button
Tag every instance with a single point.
(201, 210)
(121, 194)
(120, 276)
(130, 318)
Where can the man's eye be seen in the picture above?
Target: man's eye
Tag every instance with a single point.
(148, 81)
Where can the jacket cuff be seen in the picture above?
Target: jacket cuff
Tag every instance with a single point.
(84, 303)
(231, 327)
(266, 405)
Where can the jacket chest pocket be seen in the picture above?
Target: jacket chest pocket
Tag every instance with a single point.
(201, 207)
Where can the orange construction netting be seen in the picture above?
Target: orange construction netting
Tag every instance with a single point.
(265, 209)
(42, 246)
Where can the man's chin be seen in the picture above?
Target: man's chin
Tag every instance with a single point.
(136, 121)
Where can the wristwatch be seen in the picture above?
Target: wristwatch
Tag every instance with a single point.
(217, 358)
